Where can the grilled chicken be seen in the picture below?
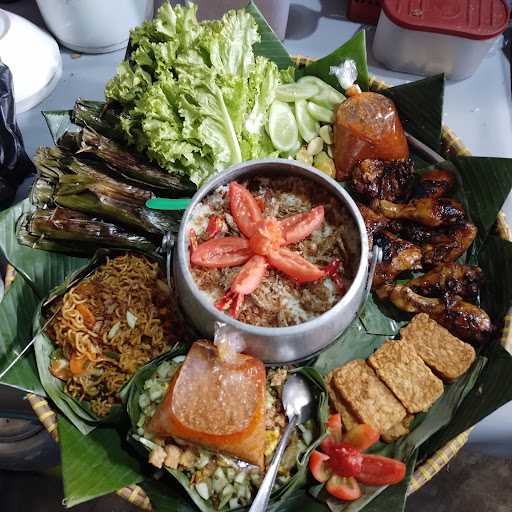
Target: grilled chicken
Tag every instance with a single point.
(375, 179)
(449, 244)
(427, 211)
(463, 280)
(440, 245)
(373, 221)
(397, 256)
(461, 318)
(434, 183)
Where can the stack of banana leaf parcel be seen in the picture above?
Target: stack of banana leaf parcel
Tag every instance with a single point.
(91, 191)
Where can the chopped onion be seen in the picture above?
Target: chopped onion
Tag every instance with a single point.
(131, 319)
(202, 490)
(114, 330)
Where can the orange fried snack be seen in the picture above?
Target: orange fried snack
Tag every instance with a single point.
(217, 404)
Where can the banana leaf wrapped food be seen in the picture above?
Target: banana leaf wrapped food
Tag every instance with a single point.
(70, 231)
(98, 116)
(70, 183)
(125, 163)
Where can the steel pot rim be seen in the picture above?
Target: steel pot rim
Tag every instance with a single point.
(235, 172)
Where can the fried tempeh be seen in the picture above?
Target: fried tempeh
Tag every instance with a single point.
(445, 354)
(348, 419)
(367, 396)
(405, 373)
(398, 430)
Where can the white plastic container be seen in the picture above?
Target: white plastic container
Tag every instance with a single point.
(426, 38)
(94, 26)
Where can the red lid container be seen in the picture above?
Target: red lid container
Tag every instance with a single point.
(472, 19)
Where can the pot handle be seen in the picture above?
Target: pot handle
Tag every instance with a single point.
(167, 246)
(375, 258)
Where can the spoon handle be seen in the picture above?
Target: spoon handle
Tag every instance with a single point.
(260, 502)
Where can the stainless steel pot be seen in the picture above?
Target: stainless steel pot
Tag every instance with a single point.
(274, 345)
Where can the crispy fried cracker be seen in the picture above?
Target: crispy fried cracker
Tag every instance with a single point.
(370, 400)
(405, 373)
(446, 355)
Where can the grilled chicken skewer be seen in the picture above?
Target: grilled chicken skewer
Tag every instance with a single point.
(435, 183)
(397, 256)
(463, 280)
(427, 211)
(461, 318)
(441, 245)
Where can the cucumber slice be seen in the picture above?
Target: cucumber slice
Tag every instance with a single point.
(323, 114)
(308, 126)
(296, 91)
(327, 95)
(282, 127)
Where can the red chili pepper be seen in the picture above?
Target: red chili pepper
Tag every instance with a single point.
(332, 271)
(214, 226)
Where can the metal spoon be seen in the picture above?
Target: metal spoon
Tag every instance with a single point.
(298, 405)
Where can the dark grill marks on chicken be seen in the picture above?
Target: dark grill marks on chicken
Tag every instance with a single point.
(463, 280)
(397, 256)
(392, 180)
(427, 211)
(442, 245)
(448, 245)
(434, 183)
(461, 318)
(373, 221)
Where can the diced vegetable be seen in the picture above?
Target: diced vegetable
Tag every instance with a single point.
(131, 319)
(202, 490)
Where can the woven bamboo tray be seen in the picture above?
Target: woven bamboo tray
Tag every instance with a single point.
(451, 146)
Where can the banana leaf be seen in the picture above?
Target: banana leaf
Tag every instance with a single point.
(127, 163)
(68, 231)
(135, 387)
(42, 270)
(98, 116)
(77, 412)
(98, 464)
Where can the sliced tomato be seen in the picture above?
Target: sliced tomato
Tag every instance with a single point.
(343, 488)
(229, 251)
(250, 276)
(319, 466)
(294, 266)
(244, 208)
(345, 460)
(300, 226)
(378, 470)
(267, 237)
(362, 436)
(334, 426)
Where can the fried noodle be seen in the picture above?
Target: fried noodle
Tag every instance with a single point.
(109, 325)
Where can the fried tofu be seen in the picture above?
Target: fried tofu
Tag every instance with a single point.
(405, 373)
(445, 354)
(367, 396)
(348, 419)
(398, 430)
